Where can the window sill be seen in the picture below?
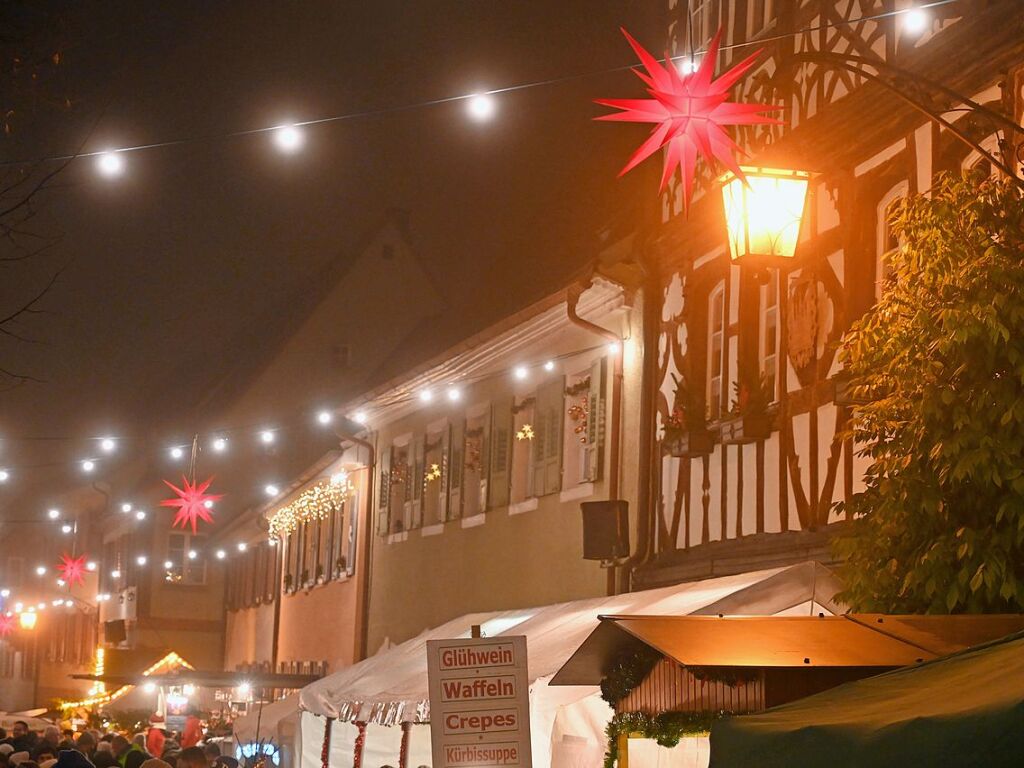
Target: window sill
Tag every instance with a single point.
(527, 505)
(581, 491)
(398, 538)
(432, 530)
(474, 521)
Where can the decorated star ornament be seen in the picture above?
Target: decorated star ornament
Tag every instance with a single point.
(191, 502)
(72, 569)
(689, 112)
(6, 625)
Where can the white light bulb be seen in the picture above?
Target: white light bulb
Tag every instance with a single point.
(324, 417)
(107, 444)
(4, 475)
(115, 574)
(88, 465)
(221, 554)
(288, 138)
(481, 107)
(520, 372)
(266, 437)
(53, 514)
(19, 607)
(141, 560)
(549, 366)
(915, 21)
(192, 554)
(149, 687)
(58, 601)
(687, 65)
(126, 507)
(242, 546)
(40, 570)
(140, 514)
(271, 490)
(244, 688)
(426, 396)
(208, 503)
(454, 394)
(168, 564)
(5, 593)
(110, 164)
(66, 528)
(220, 444)
(60, 582)
(91, 565)
(176, 452)
(359, 417)
(613, 348)
(41, 606)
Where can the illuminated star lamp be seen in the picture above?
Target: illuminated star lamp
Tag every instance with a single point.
(72, 569)
(689, 112)
(6, 625)
(191, 503)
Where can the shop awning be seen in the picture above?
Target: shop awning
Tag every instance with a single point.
(852, 640)
(392, 686)
(966, 709)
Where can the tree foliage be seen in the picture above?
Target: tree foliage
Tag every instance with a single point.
(940, 362)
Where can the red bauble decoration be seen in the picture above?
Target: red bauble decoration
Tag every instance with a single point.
(6, 625)
(191, 503)
(72, 569)
(690, 111)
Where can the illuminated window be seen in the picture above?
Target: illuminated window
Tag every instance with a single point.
(769, 342)
(185, 570)
(436, 472)
(522, 449)
(887, 241)
(716, 350)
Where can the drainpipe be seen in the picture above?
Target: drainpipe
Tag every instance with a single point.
(572, 299)
(364, 542)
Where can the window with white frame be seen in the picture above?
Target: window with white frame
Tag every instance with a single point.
(769, 341)
(716, 351)
(705, 17)
(436, 473)
(185, 562)
(887, 241)
(476, 460)
(760, 15)
(522, 449)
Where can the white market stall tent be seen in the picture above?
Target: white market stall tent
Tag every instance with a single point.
(277, 723)
(567, 722)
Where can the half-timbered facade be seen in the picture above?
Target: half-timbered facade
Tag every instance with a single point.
(752, 409)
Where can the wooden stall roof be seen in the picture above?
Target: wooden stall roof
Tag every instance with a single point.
(851, 640)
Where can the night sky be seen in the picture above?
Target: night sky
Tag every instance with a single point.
(179, 265)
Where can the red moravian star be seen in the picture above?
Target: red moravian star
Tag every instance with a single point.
(72, 569)
(6, 625)
(690, 112)
(191, 503)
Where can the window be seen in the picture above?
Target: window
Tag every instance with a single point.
(400, 492)
(549, 416)
(185, 569)
(476, 461)
(522, 445)
(704, 20)
(584, 426)
(770, 330)
(887, 240)
(436, 473)
(761, 14)
(716, 350)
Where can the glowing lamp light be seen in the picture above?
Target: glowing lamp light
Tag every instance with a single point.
(763, 216)
(41, 606)
(4, 475)
(549, 366)
(66, 528)
(267, 436)
(188, 689)
(19, 607)
(126, 507)
(288, 138)
(481, 107)
(243, 689)
(221, 554)
(5, 592)
(915, 21)
(271, 490)
(454, 394)
(426, 396)
(360, 417)
(168, 564)
(687, 65)
(88, 465)
(40, 570)
(115, 574)
(208, 503)
(91, 565)
(176, 453)
(141, 560)
(27, 620)
(53, 514)
(192, 554)
(149, 687)
(140, 514)
(107, 444)
(242, 546)
(520, 372)
(61, 583)
(324, 417)
(220, 444)
(110, 164)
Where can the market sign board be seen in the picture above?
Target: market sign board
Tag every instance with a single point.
(479, 702)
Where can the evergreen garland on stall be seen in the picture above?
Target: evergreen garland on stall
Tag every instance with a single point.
(627, 671)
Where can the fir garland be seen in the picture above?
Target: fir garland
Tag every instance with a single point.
(627, 671)
(666, 728)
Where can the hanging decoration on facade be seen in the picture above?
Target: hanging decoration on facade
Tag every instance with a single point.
(525, 432)
(315, 503)
(689, 112)
(72, 569)
(193, 503)
(434, 473)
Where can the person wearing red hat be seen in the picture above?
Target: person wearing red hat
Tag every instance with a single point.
(155, 736)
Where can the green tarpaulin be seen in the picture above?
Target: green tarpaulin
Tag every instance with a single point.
(966, 709)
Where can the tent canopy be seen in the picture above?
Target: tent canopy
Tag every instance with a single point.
(966, 709)
(392, 686)
(851, 640)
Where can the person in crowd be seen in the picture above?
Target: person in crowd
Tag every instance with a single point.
(71, 758)
(155, 762)
(155, 737)
(135, 758)
(47, 745)
(103, 746)
(48, 763)
(193, 730)
(104, 758)
(67, 739)
(212, 752)
(86, 744)
(225, 761)
(22, 739)
(121, 747)
(5, 750)
(192, 757)
(139, 740)
(17, 758)
(28, 764)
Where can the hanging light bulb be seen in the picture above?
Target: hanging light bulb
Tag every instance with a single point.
(324, 417)
(88, 465)
(549, 366)
(126, 507)
(192, 554)
(359, 417)
(141, 560)
(520, 372)
(107, 444)
(267, 436)
(454, 394)
(40, 570)
(221, 554)
(271, 490)
(115, 574)
(426, 396)
(915, 21)
(176, 453)
(53, 514)
(288, 138)
(220, 444)
(4, 475)
(140, 514)
(110, 163)
(481, 107)
(66, 528)
(242, 546)
(91, 565)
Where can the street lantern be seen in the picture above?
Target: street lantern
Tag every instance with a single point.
(763, 215)
(27, 619)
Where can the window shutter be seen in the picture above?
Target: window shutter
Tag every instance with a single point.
(547, 440)
(485, 463)
(455, 466)
(596, 420)
(501, 453)
(416, 461)
(446, 474)
(384, 496)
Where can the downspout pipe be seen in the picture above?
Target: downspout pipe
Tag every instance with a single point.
(364, 541)
(615, 431)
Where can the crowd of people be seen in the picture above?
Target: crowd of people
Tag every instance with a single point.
(153, 748)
